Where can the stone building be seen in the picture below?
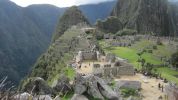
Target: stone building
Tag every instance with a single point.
(88, 55)
(113, 69)
(118, 70)
(108, 65)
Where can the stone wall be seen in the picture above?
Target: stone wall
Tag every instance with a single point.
(113, 70)
(172, 92)
(118, 71)
(87, 55)
(128, 84)
(125, 70)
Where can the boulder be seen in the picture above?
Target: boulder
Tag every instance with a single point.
(80, 89)
(42, 97)
(94, 91)
(95, 87)
(106, 91)
(38, 86)
(23, 96)
(62, 85)
(57, 98)
(79, 97)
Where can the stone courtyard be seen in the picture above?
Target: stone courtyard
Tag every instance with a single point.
(92, 62)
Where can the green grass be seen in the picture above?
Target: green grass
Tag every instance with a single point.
(126, 92)
(70, 73)
(168, 73)
(67, 96)
(125, 53)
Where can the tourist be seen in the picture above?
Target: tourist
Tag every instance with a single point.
(159, 86)
(162, 88)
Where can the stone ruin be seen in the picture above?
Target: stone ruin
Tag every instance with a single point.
(171, 91)
(88, 55)
(123, 41)
(113, 67)
(113, 70)
(108, 66)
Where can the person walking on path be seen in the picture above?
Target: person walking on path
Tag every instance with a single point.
(162, 88)
(159, 86)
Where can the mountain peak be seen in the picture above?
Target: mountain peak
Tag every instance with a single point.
(71, 17)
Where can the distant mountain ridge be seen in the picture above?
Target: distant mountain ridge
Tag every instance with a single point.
(97, 11)
(22, 38)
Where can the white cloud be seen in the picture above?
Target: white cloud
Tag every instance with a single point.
(59, 3)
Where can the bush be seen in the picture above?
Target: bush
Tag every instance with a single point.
(150, 51)
(174, 59)
(126, 32)
(155, 47)
(159, 42)
(126, 92)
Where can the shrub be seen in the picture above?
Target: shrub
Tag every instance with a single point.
(126, 92)
(155, 47)
(159, 42)
(126, 32)
(150, 51)
(174, 60)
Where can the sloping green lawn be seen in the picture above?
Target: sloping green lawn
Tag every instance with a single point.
(131, 55)
(168, 73)
(126, 53)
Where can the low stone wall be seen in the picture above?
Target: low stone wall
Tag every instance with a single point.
(118, 71)
(128, 84)
(125, 70)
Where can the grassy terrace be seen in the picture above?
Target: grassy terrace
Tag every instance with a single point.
(130, 53)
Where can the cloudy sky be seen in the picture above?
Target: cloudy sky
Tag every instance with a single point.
(59, 3)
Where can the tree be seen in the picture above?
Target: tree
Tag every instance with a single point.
(174, 60)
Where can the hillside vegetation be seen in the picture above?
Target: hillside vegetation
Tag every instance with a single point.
(24, 34)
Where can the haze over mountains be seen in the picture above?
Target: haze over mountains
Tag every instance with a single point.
(25, 33)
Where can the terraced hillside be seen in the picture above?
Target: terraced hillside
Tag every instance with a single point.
(155, 54)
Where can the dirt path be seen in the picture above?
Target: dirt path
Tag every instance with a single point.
(150, 89)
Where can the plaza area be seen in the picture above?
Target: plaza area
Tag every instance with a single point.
(150, 90)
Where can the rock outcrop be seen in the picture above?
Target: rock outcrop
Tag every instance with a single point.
(62, 85)
(95, 87)
(37, 86)
(79, 97)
